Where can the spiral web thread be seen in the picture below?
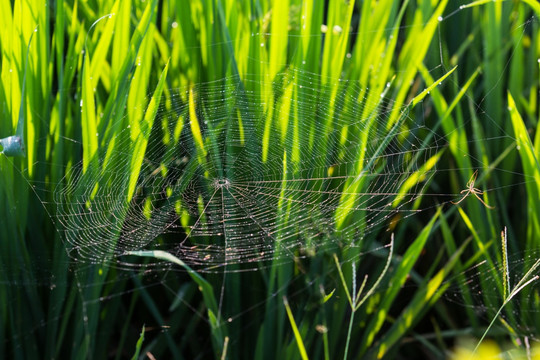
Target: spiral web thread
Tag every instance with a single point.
(243, 181)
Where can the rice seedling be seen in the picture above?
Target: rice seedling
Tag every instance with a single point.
(220, 173)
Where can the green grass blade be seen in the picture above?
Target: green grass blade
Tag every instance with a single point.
(279, 40)
(139, 345)
(534, 5)
(337, 36)
(140, 132)
(430, 88)
(122, 21)
(297, 336)
(398, 278)
(204, 286)
(530, 163)
(424, 298)
(88, 119)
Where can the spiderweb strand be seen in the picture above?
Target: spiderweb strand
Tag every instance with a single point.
(235, 179)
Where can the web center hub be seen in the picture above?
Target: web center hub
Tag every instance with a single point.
(222, 183)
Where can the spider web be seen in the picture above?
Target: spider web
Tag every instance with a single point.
(240, 185)
(480, 289)
(234, 186)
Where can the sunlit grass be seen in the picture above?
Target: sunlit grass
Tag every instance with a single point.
(98, 75)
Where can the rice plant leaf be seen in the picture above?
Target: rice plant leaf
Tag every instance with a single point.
(396, 282)
(141, 76)
(337, 36)
(285, 111)
(427, 90)
(88, 119)
(141, 138)
(279, 40)
(454, 129)
(482, 246)
(534, 5)
(297, 336)
(100, 65)
(417, 177)
(414, 51)
(204, 286)
(423, 299)
(328, 296)
(196, 128)
(139, 345)
(475, 3)
(122, 23)
(114, 108)
(14, 145)
(311, 19)
(531, 166)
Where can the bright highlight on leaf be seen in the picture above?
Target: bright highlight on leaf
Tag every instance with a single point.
(427, 90)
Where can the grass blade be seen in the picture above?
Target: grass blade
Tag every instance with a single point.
(531, 166)
(297, 336)
(139, 345)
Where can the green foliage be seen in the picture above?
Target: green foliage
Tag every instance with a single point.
(139, 345)
(89, 87)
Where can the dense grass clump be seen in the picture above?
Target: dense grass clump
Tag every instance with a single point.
(269, 179)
